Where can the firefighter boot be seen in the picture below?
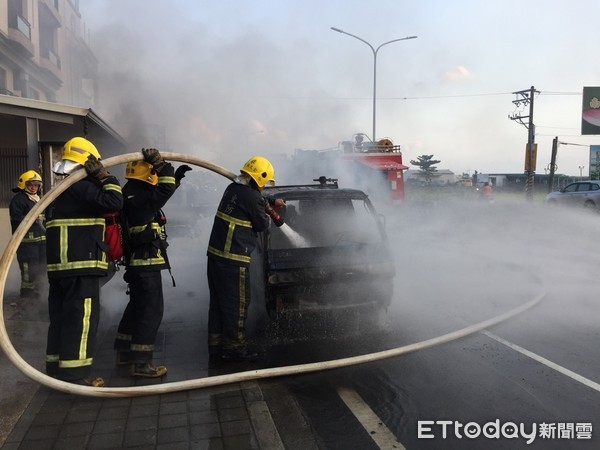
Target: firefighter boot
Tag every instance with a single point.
(148, 370)
(91, 381)
(241, 354)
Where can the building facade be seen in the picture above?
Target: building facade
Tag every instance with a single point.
(44, 54)
(48, 87)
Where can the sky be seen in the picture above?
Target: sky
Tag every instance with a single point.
(225, 79)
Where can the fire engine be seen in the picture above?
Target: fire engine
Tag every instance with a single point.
(381, 156)
(375, 167)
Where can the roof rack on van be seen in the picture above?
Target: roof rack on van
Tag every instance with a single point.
(323, 180)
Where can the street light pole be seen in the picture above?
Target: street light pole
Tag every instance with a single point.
(374, 50)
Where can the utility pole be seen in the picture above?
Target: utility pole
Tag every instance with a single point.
(525, 98)
(553, 164)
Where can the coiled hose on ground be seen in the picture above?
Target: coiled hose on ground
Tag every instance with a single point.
(164, 388)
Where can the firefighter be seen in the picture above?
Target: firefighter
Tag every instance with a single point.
(151, 183)
(76, 261)
(241, 213)
(487, 192)
(31, 254)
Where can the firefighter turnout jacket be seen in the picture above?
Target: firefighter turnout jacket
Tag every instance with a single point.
(19, 207)
(31, 253)
(240, 216)
(75, 228)
(146, 222)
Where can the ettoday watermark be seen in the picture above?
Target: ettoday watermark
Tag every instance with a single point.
(432, 429)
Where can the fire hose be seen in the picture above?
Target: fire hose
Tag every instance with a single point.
(210, 381)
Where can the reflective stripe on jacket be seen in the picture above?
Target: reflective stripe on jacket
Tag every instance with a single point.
(76, 226)
(80, 244)
(240, 215)
(148, 255)
(31, 238)
(226, 252)
(19, 207)
(147, 235)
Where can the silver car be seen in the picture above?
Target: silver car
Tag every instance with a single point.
(580, 193)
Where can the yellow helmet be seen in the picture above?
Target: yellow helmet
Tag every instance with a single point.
(260, 169)
(141, 170)
(79, 149)
(30, 175)
(75, 153)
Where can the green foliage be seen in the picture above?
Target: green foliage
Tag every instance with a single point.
(426, 165)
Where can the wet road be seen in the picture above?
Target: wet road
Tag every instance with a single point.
(456, 267)
(476, 379)
(539, 371)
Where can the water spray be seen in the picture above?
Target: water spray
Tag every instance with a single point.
(295, 238)
(199, 383)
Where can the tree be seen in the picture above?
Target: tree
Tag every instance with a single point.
(426, 166)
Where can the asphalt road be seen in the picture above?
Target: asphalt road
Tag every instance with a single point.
(480, 379)
(530, 382)
(457, 265)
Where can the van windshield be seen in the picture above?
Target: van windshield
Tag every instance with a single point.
(325, 222)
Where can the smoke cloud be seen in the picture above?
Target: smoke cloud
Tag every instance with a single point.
(177, 83)
(469, 260)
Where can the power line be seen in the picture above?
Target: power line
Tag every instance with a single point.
(424, 97)
(459, 96)
(448, 96)
(561, 93)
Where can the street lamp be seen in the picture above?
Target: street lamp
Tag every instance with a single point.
(374, 50)
(581, 172)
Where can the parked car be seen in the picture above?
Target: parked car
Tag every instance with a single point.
(579, 193)
(331, 254)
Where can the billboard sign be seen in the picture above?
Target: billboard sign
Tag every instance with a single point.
(530, 158)
(590, 114)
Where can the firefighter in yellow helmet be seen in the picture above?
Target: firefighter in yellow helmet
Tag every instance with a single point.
(31, 254)
(150, 184)
(241, 214)
(77, 260)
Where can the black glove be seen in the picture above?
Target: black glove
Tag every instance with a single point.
(94, 168)
(151, 156)
(180, 173)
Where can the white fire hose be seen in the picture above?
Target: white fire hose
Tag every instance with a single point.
(164, 388)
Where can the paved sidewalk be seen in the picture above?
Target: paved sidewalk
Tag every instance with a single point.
(228, 417)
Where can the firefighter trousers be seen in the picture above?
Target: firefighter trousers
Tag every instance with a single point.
(142, 316)
(32, 263)
(229, 287)
(74, 309)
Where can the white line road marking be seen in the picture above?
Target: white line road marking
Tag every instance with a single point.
(546, 362)
(381, 434)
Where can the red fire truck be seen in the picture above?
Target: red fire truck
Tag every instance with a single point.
(382, 157)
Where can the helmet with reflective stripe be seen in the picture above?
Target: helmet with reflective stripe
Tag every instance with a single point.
(260, 169)
(75, 153)
(30, 175)
(141, 170)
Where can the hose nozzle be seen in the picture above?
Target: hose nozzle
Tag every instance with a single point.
(274, 215)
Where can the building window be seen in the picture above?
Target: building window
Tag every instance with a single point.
(16, 17)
